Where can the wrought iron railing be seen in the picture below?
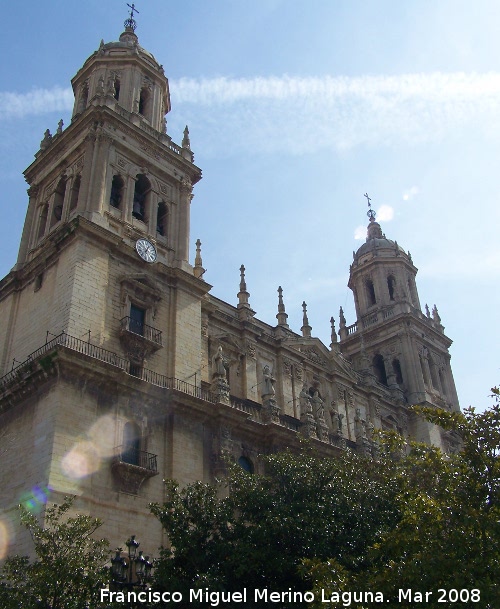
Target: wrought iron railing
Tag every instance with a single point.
(65, 340)
(141, 329)
(150, 376)
(139, 458)
(109, 357)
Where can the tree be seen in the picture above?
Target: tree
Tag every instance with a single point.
(257, 535)
(68, 571)
(448, 534)
(414, 519)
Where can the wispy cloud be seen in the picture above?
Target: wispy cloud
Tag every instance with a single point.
(298, 115)
(37, 101)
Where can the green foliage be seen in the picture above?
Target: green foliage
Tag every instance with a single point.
(257, 535)
(69, 567)
(414, 518)
(448, 533)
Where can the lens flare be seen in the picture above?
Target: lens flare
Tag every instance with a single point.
(102, 434)
(5, 536)
(81, 461)
(34, 499)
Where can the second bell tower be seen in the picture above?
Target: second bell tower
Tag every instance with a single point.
(392, 342)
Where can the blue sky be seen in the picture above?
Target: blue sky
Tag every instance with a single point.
(295, 111)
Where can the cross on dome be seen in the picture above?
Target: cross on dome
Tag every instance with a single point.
(131, 23)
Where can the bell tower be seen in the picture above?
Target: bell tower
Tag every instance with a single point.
(392, 343)
(103, 308)
(109, 196)
(115, 165)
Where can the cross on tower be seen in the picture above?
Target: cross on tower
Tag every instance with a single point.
(132, 10)
(371, 214)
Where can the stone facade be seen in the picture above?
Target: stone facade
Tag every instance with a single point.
(119, 371)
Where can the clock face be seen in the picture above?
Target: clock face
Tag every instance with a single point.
(146, 250)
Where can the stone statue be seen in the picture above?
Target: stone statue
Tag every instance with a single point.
(219, 368)
(47, 139)
(319, 408)
(268, 382)
(359, 425)
(305, 401)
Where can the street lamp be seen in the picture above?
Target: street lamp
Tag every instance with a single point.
(130, 570)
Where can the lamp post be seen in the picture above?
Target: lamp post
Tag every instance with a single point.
(130, 570)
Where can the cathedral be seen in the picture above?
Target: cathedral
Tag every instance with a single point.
(119, 366)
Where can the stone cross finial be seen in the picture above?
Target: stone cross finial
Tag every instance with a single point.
(306, 328)
(282, 315)
(198, 269)
(243, 294)
(334, 333)
(342, 318)
(243, 284)
(186, 143)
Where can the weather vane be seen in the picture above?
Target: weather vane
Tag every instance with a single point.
(130, 22)
(370, 213)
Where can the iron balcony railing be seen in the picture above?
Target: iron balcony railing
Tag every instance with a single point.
(141, 329)
(139, 458)
(253, 409)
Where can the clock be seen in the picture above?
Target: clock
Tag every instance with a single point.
(146, 250)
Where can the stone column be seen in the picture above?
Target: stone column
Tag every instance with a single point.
(128, 197)
(29, 224)
(186, 196)
(153, 213)
(98, 186)
(87, 171)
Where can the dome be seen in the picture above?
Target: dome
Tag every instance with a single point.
(128, 41)
(377, 241)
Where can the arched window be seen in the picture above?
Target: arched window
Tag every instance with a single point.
(379, 369)
(75, 191)
(162, 219)
(396, 367)
(142, 192)
(42, 223)
(57, 208)
(144, 104)
(131, 444)
(117, 89)
(391, 286)
(246, 464)
(370, 292)
(116, 196)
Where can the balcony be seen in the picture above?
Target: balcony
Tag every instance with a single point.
(139, 339)
(127, 324)
(132, 467)
(139, 458)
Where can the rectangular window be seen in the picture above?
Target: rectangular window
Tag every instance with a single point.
(137, 319)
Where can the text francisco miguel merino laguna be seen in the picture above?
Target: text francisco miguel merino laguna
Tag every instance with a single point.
(215, 598)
